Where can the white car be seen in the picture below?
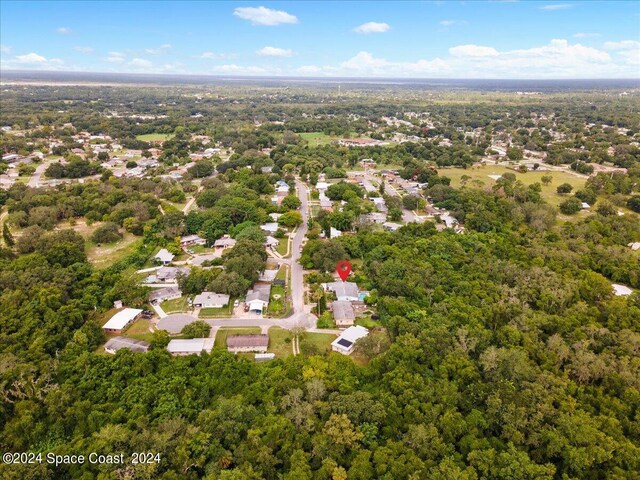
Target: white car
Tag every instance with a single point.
(236, 303)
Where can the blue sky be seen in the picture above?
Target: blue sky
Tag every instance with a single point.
(419, 39)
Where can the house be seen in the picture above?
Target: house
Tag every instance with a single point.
(164, 256)
(163, 294)
(121, 320)
(634, 246)
(198, 260)
(585, 206)
(248, 343)
(258, 298)
(225, 242)
(266, 169)
(271, 227)
(268, 276)
(345, 343)
(275, 216)
(179, 347)
(345, 291)
(322, 186)
(375, 217)
(391, 226)
(271, 242)
(189, 240)
(170, 274)
(334, 233)
(380, 204)
(211, 300)
(360, 142)
(449, 221)
(118, 343)
(343, 313)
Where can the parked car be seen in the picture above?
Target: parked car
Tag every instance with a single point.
(236, 303)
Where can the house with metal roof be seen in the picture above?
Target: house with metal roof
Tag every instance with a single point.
(345, 343)
(118, 343)
(121, 320)
(248, 343)
(343, 313)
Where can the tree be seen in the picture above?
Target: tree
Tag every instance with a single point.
(410, 202)
(197, 329)
(106, 233)
(291, 202)
(634, 203)
(546, 179)
(564, 188)
(6, 234)
(606, 209)
(201, 169)
(571, 206)
(290, 219)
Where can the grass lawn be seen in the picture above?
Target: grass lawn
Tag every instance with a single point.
(481, 174)
(320, 343)
(139, 330)
(318, 138)
(155, 137)
(283, 246)
(277, 304)
(367, 322)
(175, 305)
(282, 272)
(107, 254)
(224, 332)
(278, 343)
(217, 312)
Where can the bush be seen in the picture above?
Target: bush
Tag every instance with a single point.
(197, 329)
(106, 233)
(634, 203)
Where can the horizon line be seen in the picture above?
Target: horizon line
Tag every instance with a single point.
(316, 78)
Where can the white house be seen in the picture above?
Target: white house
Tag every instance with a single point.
(190, 346)
(334, 233)
(211, 300)
(258, 298)
(345, 291)
(621, 290)
(164, 256)
(224, 242)
(162, 294)
(271, 241)
(189, 240)
(345, 343)
(121, 320)
(271, 228)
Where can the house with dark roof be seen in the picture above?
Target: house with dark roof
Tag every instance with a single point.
(343, 313)
(248, 343)
(117, 343)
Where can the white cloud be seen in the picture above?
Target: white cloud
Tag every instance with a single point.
(556, 6)
(365, 64)
(264, 16)
(157, 51)
(30, 58)
(115, 57)
(215, 56)
(372, 27)
(33, 61)
(64, 30)
(308, 69)
(274, 52)
(473, 51)
(627, 50)
(5, 49)
(233, 69)
(586, 34)
(85, 50)
(140, 63)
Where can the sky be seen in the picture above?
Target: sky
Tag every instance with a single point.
(418, 39)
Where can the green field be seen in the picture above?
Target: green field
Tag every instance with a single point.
(283, 246)
(317, 343)
(481, 174)
(277, 306)
(155, 137)
(223, 333)
(175, 305)
(217, 312)
(318, 138)
(278, 343)
(107, 254)
(140, 330)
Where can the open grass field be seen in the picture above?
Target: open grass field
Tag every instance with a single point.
(155, 137)
(223, 333)
(316, 139)
(107, 254)
(175, 305)
(277, 304)
(283, 246)
(316, 343)
(217, 312)
(481, 174)
(140, 330)
(278, 343)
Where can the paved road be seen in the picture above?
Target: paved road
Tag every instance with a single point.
(34, 181)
